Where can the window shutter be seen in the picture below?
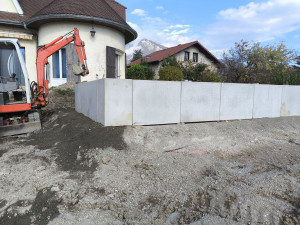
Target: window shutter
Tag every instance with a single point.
(125, 66)
(110, 62)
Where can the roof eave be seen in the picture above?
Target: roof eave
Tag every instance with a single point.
(130, 34)
(213, 57)
(11, 22)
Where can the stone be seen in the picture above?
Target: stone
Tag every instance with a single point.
(105, 159)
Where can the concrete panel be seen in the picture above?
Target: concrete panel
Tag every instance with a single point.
(156, 102)
(118, 102)
(236, 101)
(100, 107)
(267, 101)
(77, 98)
(88, 99)
(200, 101)
(290, 102)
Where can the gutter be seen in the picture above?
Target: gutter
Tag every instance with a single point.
(21, 24)
(34, 33)
(11, 22)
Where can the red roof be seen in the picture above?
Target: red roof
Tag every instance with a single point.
(37, 12)
(163, 54)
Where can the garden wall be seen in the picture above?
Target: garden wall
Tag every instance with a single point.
(114, 102)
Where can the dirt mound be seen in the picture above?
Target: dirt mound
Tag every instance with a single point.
(71, 135)
(76, 171)
(62, 96)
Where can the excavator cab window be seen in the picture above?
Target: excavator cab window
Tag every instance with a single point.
(12, 80)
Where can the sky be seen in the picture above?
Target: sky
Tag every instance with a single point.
(215, 24)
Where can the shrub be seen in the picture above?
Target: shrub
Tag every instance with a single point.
(191, 71)
(170, 73)
(210, 76)
(139, 72)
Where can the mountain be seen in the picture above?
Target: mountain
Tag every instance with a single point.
(146, 46)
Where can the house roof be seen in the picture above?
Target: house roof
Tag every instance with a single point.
(104, 12)
(163, 54)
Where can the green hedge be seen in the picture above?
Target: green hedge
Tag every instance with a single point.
(140, 72)
(170, 73)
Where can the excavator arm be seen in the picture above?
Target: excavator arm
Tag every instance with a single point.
(39, 89)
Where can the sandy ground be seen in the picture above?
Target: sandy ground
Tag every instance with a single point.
(75, 171)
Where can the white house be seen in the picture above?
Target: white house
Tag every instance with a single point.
(37, 22)
(192, 51)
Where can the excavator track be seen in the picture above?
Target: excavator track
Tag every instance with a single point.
(32, 124)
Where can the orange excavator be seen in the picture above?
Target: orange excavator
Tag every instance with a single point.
(20, 99)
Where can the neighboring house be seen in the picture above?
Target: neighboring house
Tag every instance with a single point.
(192, 51)
(37, 22)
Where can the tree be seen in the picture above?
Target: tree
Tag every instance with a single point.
(140, 72)
(170, 61)
(297, 63)
(137, 54)
(254, 63)
(170, 73)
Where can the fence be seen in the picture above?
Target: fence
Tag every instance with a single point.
(114, 102)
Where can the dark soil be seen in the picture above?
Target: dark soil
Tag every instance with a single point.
(43, 209)
(70, 134)
(2, 152)
(62, 96)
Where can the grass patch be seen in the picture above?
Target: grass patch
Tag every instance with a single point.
(68, 91)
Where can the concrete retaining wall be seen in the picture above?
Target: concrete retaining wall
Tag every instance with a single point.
(200, 101)
(156, 102)
(236, 101)
(107, 101)
(290, 101)
(267, 101)
(115, 102)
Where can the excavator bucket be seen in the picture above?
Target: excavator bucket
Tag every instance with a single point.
(77, 70)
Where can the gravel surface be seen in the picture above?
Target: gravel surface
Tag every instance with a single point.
(75, 171)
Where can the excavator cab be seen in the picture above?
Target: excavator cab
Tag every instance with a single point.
(15, 92)
(12, 79)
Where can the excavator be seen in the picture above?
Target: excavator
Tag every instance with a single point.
(20, 99)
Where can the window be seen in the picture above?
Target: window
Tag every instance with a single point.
(117, 64)
(10, 65)
(58, 68)
(186, 56)
(195, 57)
(59, 64)
(113, 62)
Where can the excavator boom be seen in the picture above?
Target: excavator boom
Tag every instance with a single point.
(40, 89)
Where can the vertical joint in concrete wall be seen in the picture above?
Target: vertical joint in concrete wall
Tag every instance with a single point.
(254, 87)
(180, 109)
(220, 101)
